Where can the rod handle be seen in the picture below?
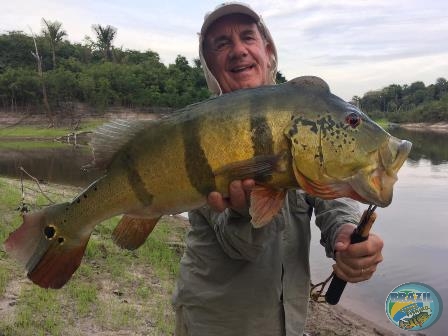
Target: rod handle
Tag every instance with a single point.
(360, 234)
(337, 285)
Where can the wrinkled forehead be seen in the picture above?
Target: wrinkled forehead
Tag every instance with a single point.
(224, 26)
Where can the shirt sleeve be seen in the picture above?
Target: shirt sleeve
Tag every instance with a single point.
(235, 233)
(331, 215)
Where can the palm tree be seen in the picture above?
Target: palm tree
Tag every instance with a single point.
(54, 33)
(105, 36)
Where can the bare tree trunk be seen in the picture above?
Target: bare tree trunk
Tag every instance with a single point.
(54, 59)
(48, 111)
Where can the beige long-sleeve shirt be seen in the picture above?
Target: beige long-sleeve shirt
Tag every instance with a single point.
(237, 280)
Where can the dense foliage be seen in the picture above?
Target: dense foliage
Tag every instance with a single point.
(415, 102)
(94, 73)
(101, 76)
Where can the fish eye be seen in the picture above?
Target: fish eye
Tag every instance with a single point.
(353, 119)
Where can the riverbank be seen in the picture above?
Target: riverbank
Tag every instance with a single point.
(441, 127)
(326, 320)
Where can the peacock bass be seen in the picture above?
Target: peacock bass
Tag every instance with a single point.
(293, 135)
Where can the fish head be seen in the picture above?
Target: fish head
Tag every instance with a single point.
(338, 151)
(423, 317)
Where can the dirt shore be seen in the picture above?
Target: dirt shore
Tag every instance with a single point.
(326, 320)
(441, 127)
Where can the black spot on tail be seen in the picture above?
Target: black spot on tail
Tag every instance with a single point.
(49, 232)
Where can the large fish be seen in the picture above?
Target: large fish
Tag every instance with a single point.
(293, 135)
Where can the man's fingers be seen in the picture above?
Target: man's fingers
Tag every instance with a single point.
(354, 275)
(238, 196)
(217, 202)
(238, 200)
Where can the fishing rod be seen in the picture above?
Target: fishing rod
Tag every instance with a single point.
(360, 234)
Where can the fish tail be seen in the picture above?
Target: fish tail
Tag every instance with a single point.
(131, 232)
(50, 256)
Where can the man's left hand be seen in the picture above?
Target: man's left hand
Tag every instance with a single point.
(356, 262)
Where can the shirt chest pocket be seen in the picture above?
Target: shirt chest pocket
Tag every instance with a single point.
(298, 204)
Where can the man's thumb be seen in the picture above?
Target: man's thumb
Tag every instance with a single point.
(340, 245)
(343, 238)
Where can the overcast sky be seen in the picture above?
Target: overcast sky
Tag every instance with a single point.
(354, 45)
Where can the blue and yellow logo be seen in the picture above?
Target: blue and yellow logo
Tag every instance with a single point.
(414, 306)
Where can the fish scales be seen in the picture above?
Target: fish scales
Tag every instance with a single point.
(294, 135)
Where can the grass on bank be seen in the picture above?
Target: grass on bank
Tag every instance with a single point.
(42, 131)
(113, 292)
(24, 145)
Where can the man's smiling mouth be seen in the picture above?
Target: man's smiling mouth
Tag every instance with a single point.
(242, 68)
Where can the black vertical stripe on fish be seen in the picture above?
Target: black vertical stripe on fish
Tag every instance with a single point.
(262, 139)
(199, 171)
(136, 182)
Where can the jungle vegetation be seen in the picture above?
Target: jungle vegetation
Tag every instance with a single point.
(46, 73)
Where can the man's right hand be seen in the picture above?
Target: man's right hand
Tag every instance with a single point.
(238, 200)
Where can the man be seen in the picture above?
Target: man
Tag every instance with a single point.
(237, 280)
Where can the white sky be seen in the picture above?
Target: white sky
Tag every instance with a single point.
(354, 45)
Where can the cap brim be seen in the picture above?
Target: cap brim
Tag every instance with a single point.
(226, 10)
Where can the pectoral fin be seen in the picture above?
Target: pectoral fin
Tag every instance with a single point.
(131, 232)
(265, 203)
(259, 168)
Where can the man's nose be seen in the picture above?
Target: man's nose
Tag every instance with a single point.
(238, 49)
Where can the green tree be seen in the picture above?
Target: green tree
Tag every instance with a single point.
(20, 88)
(54, 33)
(441, 87)
(15, 47)
(356, 100)
(105, 36)
(279, 78)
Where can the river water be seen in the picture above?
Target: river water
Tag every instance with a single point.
(414, 227)
(415, 233)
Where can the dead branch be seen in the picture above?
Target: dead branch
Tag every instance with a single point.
(37, 183)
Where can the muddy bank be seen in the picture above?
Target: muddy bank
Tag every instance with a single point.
(326, 320)
(81, 114)
(441, 127)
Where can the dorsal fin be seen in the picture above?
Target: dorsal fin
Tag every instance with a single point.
(109, 138)
(310, 82)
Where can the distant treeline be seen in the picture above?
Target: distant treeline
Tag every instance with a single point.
(407, 103)
(46, 73)
(93, 73)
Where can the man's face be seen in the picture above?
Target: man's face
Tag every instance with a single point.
(237, 54)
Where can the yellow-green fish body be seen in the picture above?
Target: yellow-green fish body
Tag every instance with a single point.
(294, 135)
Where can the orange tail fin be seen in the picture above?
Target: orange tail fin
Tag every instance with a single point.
(131, 232)
(50, 256)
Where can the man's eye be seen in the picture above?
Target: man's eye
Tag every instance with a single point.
(249, 38)
(221, 45)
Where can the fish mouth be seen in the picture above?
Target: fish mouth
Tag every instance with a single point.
(375, 186)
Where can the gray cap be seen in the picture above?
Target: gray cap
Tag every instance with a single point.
(223, 10)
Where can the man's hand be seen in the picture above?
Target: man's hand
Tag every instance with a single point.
(238, 200)
(356, 262)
